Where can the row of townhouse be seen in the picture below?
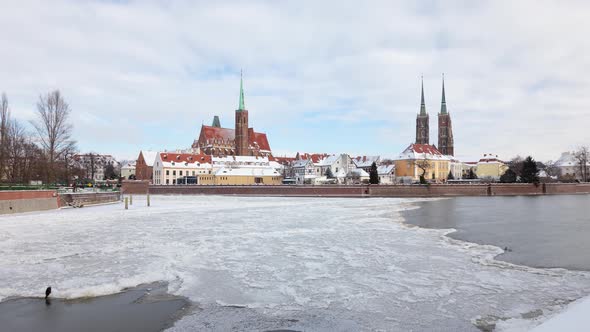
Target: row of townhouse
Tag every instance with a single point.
(338, 169)
(184, 167)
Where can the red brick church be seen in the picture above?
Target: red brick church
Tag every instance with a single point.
(241, 141)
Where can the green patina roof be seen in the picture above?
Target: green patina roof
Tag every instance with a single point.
(422, 104)
(443, 104)
(216, 122)
(241, 107)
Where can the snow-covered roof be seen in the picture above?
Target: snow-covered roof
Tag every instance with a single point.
(385, 169)
(149, 157)
(328, 160)
(359, 172)
(568, 159)
(276, 165)
(246, 171)
(301, 163)
(365, 161)
(246, 159)
(314, 157)
(490, 158)
(185, 160)
(421, 151)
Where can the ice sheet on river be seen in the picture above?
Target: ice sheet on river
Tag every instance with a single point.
(278, 263)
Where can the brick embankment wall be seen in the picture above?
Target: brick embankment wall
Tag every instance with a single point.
(567, 188)
(428, 190)
(89, 198)
(433, 190)
(27, 201)
(510, 189)
(135, 186)
(282, 190)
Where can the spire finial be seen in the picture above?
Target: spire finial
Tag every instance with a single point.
(422, 104)
(443, 104)
(241, 107)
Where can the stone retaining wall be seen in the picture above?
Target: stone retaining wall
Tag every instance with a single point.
(78, 199)
(434, 190)
(333, 191)
(27, 201)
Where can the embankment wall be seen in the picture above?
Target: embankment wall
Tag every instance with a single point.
(27, 201)
(78, 199)
(434, 190)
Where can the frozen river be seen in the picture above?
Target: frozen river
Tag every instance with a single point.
(280, 263)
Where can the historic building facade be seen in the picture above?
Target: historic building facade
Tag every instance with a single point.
(242, 141)
(446, 144)
(421, 159)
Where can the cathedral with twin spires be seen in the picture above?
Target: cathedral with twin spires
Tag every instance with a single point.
(445, 128)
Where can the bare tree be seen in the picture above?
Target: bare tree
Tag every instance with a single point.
(582, 156)
(4, 128)
(551, 169)
(424, 165)
(53, 129)
(516, 165)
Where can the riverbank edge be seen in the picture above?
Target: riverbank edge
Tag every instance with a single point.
(399, 191)
(537, 324)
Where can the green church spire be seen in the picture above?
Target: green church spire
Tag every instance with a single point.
(422, 104)
(241, 107)
(443, 104)
(216, 122)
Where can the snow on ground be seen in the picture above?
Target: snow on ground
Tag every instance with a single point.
(255, 263)
(574, 318)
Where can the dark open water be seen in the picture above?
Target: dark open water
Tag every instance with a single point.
(541, 231)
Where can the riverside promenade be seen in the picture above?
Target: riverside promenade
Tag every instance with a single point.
(432, 190)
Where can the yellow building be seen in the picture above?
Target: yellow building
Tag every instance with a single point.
(418, 159)
(242, 176)
(490, 167)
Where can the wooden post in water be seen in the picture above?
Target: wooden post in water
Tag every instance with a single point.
(130, 199)
(126, 204)
(148, 199)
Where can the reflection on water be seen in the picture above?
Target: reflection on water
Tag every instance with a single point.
(540, 231)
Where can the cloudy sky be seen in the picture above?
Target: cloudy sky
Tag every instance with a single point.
(319, 76)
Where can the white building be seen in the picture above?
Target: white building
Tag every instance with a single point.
(386, 174)
(241, 162)
(359, 175)
(304, 171)
(456, 168)
(95, 165)
(569, 166)
(180, 168)
(128, 170)
(365, 162)
(340, 165)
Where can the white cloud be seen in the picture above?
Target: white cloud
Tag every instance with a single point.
(147, 74)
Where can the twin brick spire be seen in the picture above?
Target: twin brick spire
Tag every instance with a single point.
(445, 130)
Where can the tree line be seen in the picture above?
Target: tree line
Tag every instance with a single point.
(45, 154)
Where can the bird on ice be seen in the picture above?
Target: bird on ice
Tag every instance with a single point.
(47, 292)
